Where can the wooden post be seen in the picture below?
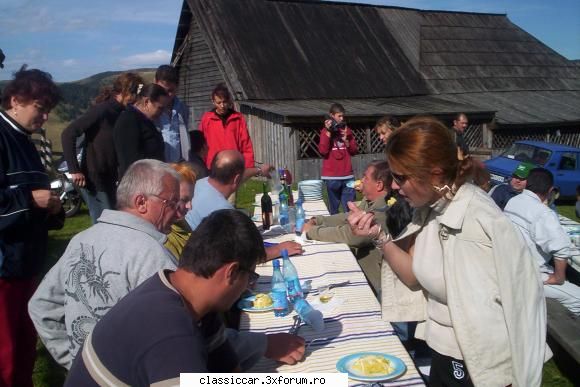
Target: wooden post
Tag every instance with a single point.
(487, 134)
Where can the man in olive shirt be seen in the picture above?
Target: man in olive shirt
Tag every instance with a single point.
(376, 185)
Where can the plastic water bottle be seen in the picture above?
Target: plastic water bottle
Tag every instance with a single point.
(309, 315)
(289, 195)
(300, 217)
(278, 292)
(284, 216)
(291, 278)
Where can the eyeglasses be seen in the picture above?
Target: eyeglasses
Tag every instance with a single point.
(399, 179)
(173, 204)
(252, 278)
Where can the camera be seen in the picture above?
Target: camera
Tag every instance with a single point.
(335, 127)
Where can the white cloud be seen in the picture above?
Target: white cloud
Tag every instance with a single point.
(153, 58)
(67, 15)
(69, 62)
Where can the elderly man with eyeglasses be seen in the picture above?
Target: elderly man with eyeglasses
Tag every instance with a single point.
(103, 263)
(183, 331)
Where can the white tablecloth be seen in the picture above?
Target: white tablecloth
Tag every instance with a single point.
(354, 322)
(572, 228)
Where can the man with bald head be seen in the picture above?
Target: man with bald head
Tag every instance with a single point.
(225, 177)
(210, 195)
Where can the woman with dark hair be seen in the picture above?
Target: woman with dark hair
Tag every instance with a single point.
(485, 314)
(28, 210)
(135, 134)
(97, 173)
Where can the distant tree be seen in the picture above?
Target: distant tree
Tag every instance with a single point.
(2, 57)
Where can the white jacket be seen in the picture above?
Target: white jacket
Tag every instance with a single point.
(494, 292)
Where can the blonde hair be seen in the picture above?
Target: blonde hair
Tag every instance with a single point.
(186, 171)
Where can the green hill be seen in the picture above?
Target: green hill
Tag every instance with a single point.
(77, 97)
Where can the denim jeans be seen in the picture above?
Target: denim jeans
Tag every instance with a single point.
(97, 202)
(339, 193)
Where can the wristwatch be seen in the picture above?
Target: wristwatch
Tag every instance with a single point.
(259, 172)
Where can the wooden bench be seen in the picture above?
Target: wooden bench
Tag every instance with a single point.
(564, 328)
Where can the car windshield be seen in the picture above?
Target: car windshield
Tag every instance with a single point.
(528, 154)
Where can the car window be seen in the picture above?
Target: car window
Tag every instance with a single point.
(568, 161)
(528, 154)
(541, 156)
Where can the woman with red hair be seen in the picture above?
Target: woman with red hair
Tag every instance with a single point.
(485, 313)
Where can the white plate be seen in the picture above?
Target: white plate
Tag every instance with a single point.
(346, 362)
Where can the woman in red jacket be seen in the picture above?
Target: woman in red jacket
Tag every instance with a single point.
(337, 145)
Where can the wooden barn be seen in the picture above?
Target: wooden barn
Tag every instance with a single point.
(286, 61)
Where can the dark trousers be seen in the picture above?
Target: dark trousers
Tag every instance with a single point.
(448, 372)
(17, 333)
(339, 193)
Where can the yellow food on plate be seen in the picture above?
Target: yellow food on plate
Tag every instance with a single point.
(370, 365)
(262, 300)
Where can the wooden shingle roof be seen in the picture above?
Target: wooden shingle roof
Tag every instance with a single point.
(298, 50)
(292, 56)
(467, 53)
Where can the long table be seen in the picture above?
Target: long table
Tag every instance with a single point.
(573, 229)
(352, 318)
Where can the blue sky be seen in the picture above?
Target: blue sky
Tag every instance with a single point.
(74, 39)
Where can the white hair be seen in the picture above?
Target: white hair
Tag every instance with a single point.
(143, 177)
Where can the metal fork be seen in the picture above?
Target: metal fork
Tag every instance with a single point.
(296, 325)
(338, 285)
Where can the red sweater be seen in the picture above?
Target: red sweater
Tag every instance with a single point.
(336, 154)
(234, 135)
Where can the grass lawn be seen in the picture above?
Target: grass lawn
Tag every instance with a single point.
(48, 374)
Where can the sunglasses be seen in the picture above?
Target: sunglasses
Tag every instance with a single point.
(252, 278)
(399, 179)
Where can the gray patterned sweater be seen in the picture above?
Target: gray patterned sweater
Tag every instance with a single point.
(98, 268)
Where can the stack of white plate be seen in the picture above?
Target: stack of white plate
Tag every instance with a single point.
(310, 190)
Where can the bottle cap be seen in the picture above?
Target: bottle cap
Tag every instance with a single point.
(276, 263)
(285, 254)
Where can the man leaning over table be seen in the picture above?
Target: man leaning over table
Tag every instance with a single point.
(108, 260)
(545, 236)
(216, 266)
(375, 186)
(225, 177)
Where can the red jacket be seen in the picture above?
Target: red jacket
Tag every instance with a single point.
(234, 135)
(336, 154)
